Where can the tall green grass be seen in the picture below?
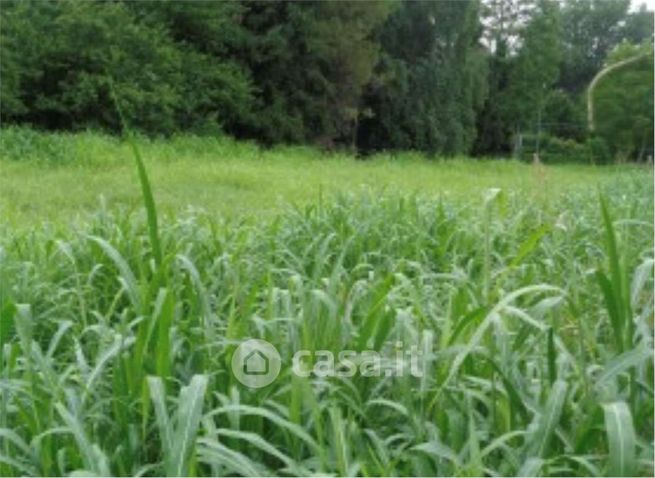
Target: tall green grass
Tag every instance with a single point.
(57, 177)
(535, 319)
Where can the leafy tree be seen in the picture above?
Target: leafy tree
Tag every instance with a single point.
(310, 61)
(430, 81)
(535, 68)
(563, 116)
(638, 26)
(75, 47)
(61, 57)
(442, 77)
(503, 21)
(503, 24)
(13, 66)
(590, 29)
(216, 88)
(624, 103)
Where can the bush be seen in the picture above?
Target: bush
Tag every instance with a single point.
(59, 60)
(599, 150)
(558, 150)
(24, 144)
(563, 117)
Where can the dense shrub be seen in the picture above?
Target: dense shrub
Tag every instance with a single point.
(560, 150)
(60, 59)
(25, 144)
(599, 150)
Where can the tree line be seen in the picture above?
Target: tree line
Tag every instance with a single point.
(491, 77)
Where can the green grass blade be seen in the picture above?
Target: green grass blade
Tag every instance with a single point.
(163, 356)
(618, 277)
(530, 244)
(622, 363)
(186, 424)
(126, 274)
(552, 357)
(6, 323)
(546, 421)
(259, 442)
(233, 462)
(612, 303)
(621, 439)
(158, 397)
(531, 467)
(146, 190)
(149, 202)
(94, 460)
(273, 417)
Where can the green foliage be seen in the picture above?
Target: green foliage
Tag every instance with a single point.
(639, 26)
(535, 69)
(599, 150)
(58, 176)
(216, 87)
(541, 62)
(553, 149)
(430, 81)
(590, 30)
(310, 61)
(25, 144)
(563, 117)
(440, 77)
(76, 48)
(69, 52)
(113, 367)
(623, 103)
(524, 39)
(493, 132)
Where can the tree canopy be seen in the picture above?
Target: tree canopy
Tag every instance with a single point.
(442, 77)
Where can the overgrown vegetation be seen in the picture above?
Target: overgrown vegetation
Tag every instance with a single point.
(538, 341)
(440, 77)
(526, 292)
(56, 177)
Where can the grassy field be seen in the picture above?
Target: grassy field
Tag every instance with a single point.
(63, 176)
(531, 306)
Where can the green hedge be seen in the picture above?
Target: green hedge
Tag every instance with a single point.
(558, 150)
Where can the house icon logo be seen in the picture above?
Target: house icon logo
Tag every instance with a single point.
(256, 363)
